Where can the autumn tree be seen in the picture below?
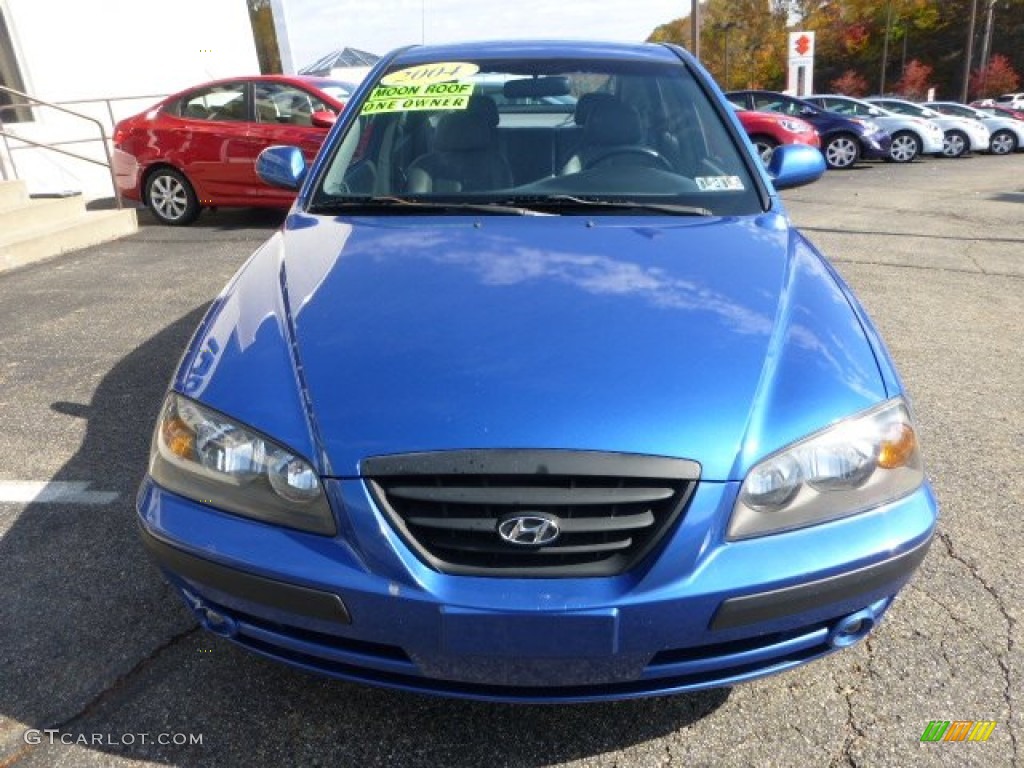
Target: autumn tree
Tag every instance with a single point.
(872, 37)
(738, 36)
(998, 77)
(914, 84)
(876, 38)
(850, 83)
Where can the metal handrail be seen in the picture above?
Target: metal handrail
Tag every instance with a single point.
(103, 137)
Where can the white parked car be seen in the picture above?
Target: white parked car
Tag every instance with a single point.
(960, 134)
(1007, 133)
(911, 136)
(1010, 100)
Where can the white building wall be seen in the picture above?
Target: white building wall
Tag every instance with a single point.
(126, 53)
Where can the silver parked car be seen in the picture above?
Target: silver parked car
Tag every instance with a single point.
(911, 136)
(960, 134)
(1007, 133)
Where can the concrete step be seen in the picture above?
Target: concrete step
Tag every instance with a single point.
(54, 238)
(13, 193)
(31, 214)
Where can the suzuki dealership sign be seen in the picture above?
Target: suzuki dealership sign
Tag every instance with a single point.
(801, 63)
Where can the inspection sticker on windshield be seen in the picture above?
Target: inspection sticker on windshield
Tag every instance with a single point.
(438, 72)
(411, 98)
(719, 183)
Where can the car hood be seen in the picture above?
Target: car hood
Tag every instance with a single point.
(713, 339)
(1003, 123)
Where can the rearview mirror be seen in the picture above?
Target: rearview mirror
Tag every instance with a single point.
(536, 87)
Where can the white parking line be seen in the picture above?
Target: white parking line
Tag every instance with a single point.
(23, 492)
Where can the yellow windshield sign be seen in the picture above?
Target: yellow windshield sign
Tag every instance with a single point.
(413, 98)
(438, 72)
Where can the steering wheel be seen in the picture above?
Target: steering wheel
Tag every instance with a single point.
(646, 153)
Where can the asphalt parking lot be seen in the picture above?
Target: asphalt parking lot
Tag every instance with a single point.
(99, 663)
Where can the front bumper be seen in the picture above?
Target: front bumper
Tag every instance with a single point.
(979, 136)
(696, 615)
(875, 146)
(932, 140)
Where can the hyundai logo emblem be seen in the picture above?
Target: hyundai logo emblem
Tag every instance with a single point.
(529, 530)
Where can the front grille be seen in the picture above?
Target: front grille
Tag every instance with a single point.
(605, 511)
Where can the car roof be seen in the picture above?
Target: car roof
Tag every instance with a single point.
(534, 50)
(306, 80)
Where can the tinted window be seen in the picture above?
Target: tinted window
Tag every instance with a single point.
(220, 102)
(773, 103)
(285, 104)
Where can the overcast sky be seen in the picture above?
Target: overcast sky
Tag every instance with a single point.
(317, 27)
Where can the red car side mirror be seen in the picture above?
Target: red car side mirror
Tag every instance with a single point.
(323, 119)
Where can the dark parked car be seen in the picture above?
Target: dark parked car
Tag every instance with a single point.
(536, 407)
(198, 148)
(844, 140)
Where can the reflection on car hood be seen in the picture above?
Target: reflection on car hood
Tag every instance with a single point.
(717, 340)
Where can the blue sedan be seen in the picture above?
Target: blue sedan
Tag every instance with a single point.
(552, 404)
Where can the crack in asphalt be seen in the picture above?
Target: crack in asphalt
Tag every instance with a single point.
(121, 680)
(107, 693)
(854, 731)
(1003, 660)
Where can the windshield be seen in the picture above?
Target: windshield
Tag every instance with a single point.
(539, 134)
(337, 90)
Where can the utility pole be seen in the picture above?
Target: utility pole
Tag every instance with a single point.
(986, 40)
(695, 28)
(885, 46)
(969, 53)
(725, 29)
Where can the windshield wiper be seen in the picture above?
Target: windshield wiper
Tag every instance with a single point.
(349, 203)
(621, 205)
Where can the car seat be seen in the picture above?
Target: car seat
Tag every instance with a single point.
(465, 158)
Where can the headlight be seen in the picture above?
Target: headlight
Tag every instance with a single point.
(209, 458)
(794, 127)
(855, 465)
(869, 125)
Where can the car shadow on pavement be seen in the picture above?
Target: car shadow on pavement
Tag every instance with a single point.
(96, 646)
(224, 219)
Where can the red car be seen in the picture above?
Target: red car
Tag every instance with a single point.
(197, 149)
(767, 130)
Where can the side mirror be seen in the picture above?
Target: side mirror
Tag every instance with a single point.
(323, 118)
(794, 165)
(281, 166)
(808, 111)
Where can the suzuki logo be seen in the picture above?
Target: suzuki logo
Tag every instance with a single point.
(803, 45)
(529, 529)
